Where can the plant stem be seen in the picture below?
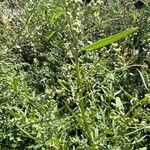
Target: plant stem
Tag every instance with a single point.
(138, 104)
(79, 95)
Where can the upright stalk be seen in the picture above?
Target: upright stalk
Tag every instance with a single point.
(79, 95)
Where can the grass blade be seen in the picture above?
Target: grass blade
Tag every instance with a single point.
(142, 77)
(110, 39)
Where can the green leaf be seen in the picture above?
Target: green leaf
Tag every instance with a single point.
(15, 84)
(142, 77)
(62, 85)
(119, 103)
(110, 39)
(56, 15)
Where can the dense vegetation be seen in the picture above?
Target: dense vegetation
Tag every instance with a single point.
(57, 95)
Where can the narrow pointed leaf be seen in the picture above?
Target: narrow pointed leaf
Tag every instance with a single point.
(106, 41)
(142, 77)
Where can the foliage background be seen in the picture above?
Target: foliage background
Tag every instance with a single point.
(39, 108)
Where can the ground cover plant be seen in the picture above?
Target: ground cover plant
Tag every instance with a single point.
(74, 75)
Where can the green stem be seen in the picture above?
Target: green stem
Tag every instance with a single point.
(79, 95)
(138, 104)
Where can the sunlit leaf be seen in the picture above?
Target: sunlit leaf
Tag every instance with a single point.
(119, 103)
(109, 40)
(142, 77)
(56, 15)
